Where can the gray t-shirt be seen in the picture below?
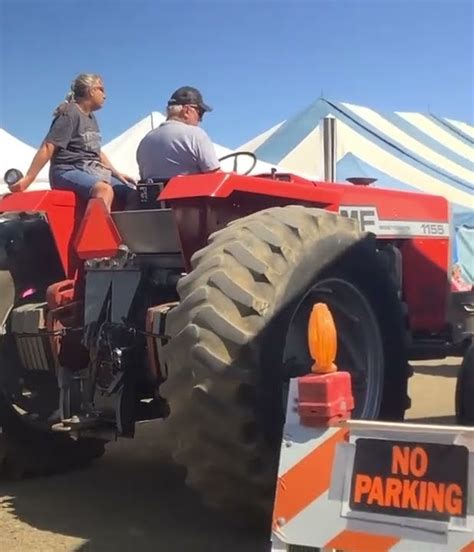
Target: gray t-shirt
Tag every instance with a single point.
(175, 148)
(76, 136)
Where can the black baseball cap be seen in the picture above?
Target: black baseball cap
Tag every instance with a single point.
(187, 95)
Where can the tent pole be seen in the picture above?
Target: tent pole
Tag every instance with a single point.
(329, 148)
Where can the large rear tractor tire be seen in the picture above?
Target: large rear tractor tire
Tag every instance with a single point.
(465, 390)
(28, 447)
(239, 334)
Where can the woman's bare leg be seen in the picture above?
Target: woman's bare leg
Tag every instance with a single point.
(104, 191)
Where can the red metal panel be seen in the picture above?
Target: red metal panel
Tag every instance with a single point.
(223, 185)
(62, 211)
(390, 204)
(35, 201)
(426, 282)
(394, 205)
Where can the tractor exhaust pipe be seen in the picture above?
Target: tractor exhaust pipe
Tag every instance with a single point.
(329, 148)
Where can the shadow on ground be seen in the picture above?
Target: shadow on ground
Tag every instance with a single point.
(132, 499)
(135, 499)
(444, 371)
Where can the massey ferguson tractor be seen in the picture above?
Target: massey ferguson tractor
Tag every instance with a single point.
(195, 308)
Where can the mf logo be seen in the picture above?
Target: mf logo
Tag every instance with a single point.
(367, 216)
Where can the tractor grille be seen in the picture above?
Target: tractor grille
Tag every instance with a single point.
(28, 323)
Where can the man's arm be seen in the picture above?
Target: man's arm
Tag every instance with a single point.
(206, 154)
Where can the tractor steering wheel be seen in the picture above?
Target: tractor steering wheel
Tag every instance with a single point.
(235, 155)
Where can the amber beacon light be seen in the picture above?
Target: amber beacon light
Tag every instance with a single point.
(322, 339)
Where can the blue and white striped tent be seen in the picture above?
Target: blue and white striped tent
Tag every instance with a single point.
(405, 151)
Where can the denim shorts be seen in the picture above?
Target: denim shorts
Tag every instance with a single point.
(81, 183)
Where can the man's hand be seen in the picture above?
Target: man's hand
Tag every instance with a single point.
(21, 185)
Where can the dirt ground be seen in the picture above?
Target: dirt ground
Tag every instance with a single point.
(134, 499)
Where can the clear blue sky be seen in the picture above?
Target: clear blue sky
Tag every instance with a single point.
(257, 62)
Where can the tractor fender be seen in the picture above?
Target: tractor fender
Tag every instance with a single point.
(29, 259)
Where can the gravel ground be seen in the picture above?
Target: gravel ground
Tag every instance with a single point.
(134, 499)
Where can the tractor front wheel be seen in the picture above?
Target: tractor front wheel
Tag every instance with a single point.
(239, 335)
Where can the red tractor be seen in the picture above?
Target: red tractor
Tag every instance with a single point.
(195, 308)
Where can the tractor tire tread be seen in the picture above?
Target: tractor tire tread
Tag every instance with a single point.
(212, 357)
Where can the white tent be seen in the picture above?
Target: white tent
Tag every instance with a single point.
(16, 154)
(412, 151)
(122, 150)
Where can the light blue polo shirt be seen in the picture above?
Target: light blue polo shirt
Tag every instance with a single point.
(175, 148)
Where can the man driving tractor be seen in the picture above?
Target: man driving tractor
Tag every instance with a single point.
(179, 145)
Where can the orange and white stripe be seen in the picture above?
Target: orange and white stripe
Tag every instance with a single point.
(311, 507)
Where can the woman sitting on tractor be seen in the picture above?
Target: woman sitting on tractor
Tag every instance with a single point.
(73, 146)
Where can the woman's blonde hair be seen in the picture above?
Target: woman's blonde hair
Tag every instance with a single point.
(80, 87)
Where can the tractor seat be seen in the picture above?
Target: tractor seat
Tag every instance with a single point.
(148, 192)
